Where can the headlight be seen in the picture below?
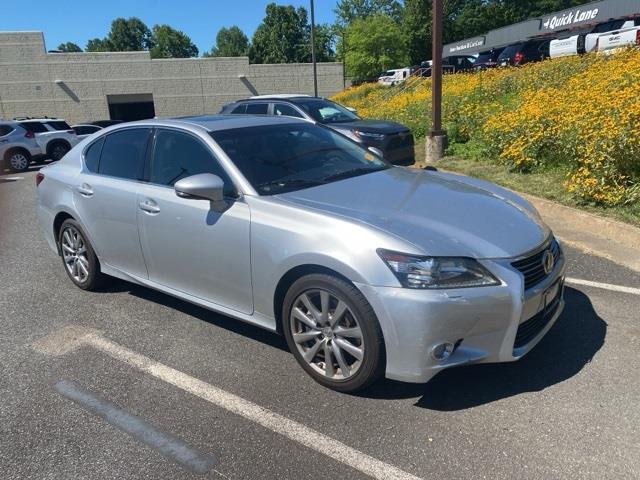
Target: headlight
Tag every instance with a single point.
(437, 272)
(368, 136)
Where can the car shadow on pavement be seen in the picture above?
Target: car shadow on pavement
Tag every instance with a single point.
(570, 344)
(236, 326)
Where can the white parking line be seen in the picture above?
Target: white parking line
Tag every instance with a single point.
(605, 286)
(72, 337)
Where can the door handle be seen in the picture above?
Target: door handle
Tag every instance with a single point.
(149, 206)
(85, 190)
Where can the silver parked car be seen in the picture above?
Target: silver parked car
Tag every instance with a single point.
(366, 268)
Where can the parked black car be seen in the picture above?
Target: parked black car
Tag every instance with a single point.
(450, 64)
(104, 123)
(393, 139)
(524, 52)
(487, 59)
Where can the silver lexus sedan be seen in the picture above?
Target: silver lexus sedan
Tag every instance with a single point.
(366, 268)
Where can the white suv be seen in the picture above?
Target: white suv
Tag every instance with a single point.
(54, 136)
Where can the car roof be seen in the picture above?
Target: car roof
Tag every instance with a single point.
(284, 98)
(279, 95)
(44, 119)
(215, 122)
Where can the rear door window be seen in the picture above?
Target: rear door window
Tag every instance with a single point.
(242, 108)
(92, 155)
(59, 125)
(35, 127)
(123, 153)
(257, 108)
(5, 130)
(284, 109)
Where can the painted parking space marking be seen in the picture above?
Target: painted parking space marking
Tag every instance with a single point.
(72, 337)
(165, 443)
(605, 286)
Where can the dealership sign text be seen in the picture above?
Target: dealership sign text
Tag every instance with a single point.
(577, 16)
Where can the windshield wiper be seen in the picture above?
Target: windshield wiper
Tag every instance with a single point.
(291, 182)
(350, 173)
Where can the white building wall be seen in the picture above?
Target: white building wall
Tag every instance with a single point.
(75, 86)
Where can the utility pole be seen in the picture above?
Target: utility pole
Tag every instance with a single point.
(313, 50)
(437, 139)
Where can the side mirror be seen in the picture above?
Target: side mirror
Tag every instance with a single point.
(351, 109)
(202, 186)
(376, 151)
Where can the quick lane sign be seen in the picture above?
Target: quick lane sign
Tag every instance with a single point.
(569, 18)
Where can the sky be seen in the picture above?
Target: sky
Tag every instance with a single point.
(68, 21)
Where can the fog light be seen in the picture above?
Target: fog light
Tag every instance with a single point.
(442, 351)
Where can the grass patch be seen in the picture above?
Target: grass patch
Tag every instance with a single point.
(547, 183)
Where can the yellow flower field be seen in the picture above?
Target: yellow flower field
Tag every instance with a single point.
(581, 113)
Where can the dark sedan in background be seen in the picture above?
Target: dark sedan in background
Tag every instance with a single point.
(394, 140)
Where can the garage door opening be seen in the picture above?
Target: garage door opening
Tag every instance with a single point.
(131, 107)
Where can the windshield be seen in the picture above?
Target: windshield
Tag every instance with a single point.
(326, 111)
(511, 51)
(484, 57)
(281, 158)
(390, 73)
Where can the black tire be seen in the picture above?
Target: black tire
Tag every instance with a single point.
(17, 160)
(95, 279)
(57, 150)
(373, 363)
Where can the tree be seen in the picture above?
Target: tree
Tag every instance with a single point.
(126, 35)
(416, 25)
(69, 47)
(281, 37)
(325, 37)
(374, 44)
(347, 11)
(230, 42)
(171, 43)
(99, 45)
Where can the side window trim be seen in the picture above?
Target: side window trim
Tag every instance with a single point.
(151, 150)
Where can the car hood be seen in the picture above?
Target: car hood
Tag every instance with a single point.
(440, 214)
(372, 126)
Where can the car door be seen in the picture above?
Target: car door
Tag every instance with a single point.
(190, 245)
(105, 196)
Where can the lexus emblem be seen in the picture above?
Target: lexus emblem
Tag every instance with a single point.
(547, 262)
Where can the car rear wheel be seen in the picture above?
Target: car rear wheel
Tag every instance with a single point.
(58, 150)
(18, 160)
(79, 259)
(333, 333)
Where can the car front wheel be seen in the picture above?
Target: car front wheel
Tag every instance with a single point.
(58, 151)
(333, 332)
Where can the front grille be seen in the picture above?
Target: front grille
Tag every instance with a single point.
(399, 149)
(528, 330)
(532, 267)
(398, 140)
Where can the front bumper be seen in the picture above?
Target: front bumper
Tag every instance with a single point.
(483, 322)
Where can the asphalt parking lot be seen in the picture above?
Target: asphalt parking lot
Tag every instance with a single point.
(131, 383)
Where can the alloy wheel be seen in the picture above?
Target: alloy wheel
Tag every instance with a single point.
(19, 161)
(327, 334)
(58, 152)
(74, 252)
